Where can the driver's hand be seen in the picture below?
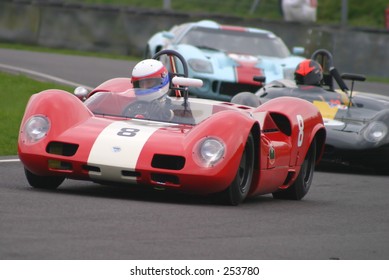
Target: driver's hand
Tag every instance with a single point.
(161, 111)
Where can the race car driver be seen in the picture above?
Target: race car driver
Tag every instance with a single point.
(308, 72)
(151, 82)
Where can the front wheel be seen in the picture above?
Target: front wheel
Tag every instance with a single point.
(43, 182)
(304, 180)
(240, 186)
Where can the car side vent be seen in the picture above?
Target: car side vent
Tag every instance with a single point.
(54, 164)
(165, 179)
(282, 123)
(61, 148)
(128, 173)
(91, 168)
(168, 162)
(291, 174)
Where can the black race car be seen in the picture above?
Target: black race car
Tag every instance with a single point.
(357, 123)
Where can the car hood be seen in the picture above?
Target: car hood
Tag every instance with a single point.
(366, 107)
(273, 68)
(279, 68)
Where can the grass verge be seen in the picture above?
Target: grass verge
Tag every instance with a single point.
(15, 93)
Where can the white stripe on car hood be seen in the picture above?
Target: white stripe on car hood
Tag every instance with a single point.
(118, 148)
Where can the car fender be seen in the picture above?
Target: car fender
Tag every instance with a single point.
(234, 133)
(305, 122)
(63, 110)
(61, 107)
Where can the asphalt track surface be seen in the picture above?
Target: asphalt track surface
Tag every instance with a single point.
(344, 216)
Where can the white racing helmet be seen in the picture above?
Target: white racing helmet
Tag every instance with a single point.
(150, 79)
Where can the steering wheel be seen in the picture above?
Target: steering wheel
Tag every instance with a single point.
(173, 56)
(137, 108)
(149, 110)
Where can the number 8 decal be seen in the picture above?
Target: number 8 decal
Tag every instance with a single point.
(300, 137)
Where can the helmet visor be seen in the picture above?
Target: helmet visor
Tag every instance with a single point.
(148, 83)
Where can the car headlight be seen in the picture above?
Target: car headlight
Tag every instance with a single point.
(200, 65)
(375, 132)
(209, 152)
(36, 128)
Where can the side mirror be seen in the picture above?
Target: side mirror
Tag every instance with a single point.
(298, 50)
(187, 82)
(81, 93)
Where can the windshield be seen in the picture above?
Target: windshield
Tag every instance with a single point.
(236, 41)
(166, 109)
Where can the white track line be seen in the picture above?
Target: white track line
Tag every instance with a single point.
(39, 75)
(9, 160)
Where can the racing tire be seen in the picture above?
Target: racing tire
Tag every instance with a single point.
(240, 186)
(304, 180)
(43, 182)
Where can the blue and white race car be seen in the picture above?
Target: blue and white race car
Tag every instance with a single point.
(227, 57)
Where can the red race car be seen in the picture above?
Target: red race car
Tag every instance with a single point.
(132, 131)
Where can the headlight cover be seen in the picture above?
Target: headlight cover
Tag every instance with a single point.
(200, 65)
(375, 132)
(209, 151)
(36, 128)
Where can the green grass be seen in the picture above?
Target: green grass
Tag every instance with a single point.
(15, 92)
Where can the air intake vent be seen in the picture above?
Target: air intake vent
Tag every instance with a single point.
(282, 123)
(63, 149)
(128, 173)
(59, 165)
(165, 179)
(168, 162)
(91, 168)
